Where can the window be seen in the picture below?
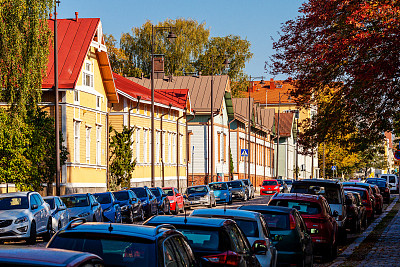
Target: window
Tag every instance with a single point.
(137, 145)
(173, 148)
(98, 145)
(98, 102)
(181, 148)
(76, 96)
(88, 74)
(145, 146)
(219, 147)
(169, 148)
(163, 147)
(76, 140)
(224, 155)
(88, 129)
(157, 147)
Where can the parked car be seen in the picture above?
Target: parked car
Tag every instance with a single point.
(269, 187)
(110, 207)
(149, 201)
(176, 200)
(250, 187)
(131, 206)
(366, 200)
(162, 200)
(46, 257)
(252, 224)
(83, 206)
(319, 219)
(367, 186)
(215, 242)
(383, 187)
(283, 188)
(221, 192)
(393, 181)
(58, 211)
(126, 244)
(239, 190)
(289, 234)
(200, 195)
(332, 191)
(361, 208)
(354, 218)
(24, 215)
(378, 199)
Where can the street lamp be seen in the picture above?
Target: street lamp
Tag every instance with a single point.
(278, 137)
(249, 125)
(171, 36)
(56, 111)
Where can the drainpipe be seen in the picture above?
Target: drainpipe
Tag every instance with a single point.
(177, 148)
(229, 149)
(129, 112)
(162, 150)
(187, 150)
(107, 149)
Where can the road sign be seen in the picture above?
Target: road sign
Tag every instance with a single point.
(244, 152)
(397, 154)
(333, 168)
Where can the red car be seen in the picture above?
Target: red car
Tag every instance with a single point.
(175, 199)
(378, 199)
(269, 187)
(316, 213)
(366, 200)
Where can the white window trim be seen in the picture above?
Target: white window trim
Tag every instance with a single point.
(88, 141)
(98, 145)
(77, 128)
(76, 95)
(90, 73)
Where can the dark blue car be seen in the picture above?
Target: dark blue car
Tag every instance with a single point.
(131, 206)
(162, 199)
(111, 209)
(149, 201)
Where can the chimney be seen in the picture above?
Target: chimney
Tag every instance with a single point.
(76, 16)
(51, 15)
(271, 84)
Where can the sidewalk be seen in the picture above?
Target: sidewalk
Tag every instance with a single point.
(386, 250)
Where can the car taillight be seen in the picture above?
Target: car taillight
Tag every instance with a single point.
(261, 242)
(228, 258)
(365, 202)
(292, 223)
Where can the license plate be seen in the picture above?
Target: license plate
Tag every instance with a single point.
(217, 198)
(2, 230)
(270, 192)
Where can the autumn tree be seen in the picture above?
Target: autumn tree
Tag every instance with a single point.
(352, 46)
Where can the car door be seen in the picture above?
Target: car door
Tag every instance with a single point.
(179, 198)
(306, 241)
(64, 218)
(43, 213)
(243, 247)
(184, 253)
(36, 212)
(152, 202)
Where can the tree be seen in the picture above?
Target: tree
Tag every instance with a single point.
(121, 158)
(352, 46)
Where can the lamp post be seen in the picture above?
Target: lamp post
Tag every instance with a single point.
(56, 110)
(278, 137)
(249, 124)
(171, 36)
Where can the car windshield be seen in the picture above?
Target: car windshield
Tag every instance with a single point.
(235, 184)
(331, 193)
(249, 228)
(113, 249)
(50, 201)
(76, 201)
(155, 192)
(280, 182)
(289, 182)
(199, 239)
(219, 186)
(121, 196)
(169, 192)
(103, 198)
(246, 182)
(197, 189)
(379, 183)
(360, 191)
(11, 203)
(272, 182)
(140, 192)
(277, 221)
(304, 207)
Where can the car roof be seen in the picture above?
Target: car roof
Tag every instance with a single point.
(227, 212)
(102, 193)
(217, 183)
(270, 180)
(50, 197)
(297, 196)
(190, 220)
(197, 186)
(143, 231)
(316, 181)
(351, 188)
(42, 256)
(365, 185)
(17, 194)
(74, 195)
(262, 207)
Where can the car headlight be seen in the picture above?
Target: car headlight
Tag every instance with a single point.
(84, 214)
(172, 201)
(123, 208)
(21, 220)
(224, 194)
(276, 187)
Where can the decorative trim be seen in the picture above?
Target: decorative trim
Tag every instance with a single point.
(84, 165)
(86, 185)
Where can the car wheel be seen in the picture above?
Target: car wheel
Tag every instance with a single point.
(176, 209)
(245, 197)
(211, 204)
(183, 209)
(94, 218)
(215, 203)
(50, 231)
(141, 218)
(32, 234)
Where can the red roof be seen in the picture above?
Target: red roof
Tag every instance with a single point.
(268, 93)
(285, 123)
(74, 39)
(176, 97)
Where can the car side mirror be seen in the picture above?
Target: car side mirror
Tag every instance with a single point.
(178, 194)
(164, 195)
(134, 199)
(62, 208)
(34, 206)
(260, 247)
(230, 187)
(335, 213)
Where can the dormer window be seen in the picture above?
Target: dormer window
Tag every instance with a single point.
(88, 74)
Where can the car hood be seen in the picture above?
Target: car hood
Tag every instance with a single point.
(237, 189)
(269, 186)
(198, 194)
(13, 214)
(75, 211)
(219, 193)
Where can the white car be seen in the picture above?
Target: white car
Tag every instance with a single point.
(393, 182)
(253, 225)
(59, 212)
(24, 215)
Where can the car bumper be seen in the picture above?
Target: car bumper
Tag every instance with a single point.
(288, 258)
(192, 203)
(15, 231)
(268, 192)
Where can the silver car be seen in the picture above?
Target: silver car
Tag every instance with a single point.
(59, 212)
(83, 206)
(24, 215)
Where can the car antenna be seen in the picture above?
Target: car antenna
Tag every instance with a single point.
(185, 220)
(225, 207)
(110, 228)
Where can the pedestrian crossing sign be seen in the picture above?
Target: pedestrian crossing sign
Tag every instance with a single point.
(244, 152)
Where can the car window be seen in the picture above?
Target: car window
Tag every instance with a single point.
(197, 189)
(51, 202)
(76, 201)
(310, 208)
(185, 256)
(170, 254)
(269, 183)
(58, 202)
(33, 200)
(201, 239)
(249, 227)
(246, 182)
(277, 221)
(169, 192)
(155, 192)
(235, 184)
(103, 198)
(239, 239)
(10, 203)
(121, 196)
(219, 186)
(39, 199)
(331, 193)
(300, 223)
(265, 227)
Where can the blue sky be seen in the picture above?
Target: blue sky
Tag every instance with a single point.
(255, 20)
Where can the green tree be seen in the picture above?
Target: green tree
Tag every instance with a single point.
(121, 158)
